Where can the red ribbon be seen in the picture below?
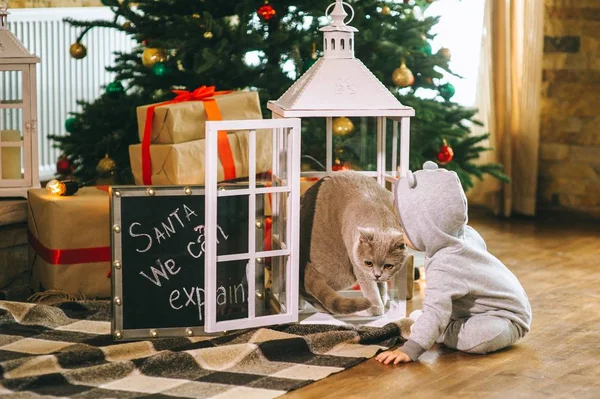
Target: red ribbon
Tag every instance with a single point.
(205, 94)
(267, 238)
(69, 256)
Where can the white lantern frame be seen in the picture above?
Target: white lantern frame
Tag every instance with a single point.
(15, 58)
(286, 148)
(339, 85)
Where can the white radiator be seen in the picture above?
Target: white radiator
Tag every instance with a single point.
(63, 80)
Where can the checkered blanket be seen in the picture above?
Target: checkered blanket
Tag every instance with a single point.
(66, 350)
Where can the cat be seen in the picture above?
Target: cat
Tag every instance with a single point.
(349, 233)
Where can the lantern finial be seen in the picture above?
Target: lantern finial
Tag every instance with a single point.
(339, 14)
(3, 15)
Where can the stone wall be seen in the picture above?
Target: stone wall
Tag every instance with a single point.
(570, 117)
(53, 3)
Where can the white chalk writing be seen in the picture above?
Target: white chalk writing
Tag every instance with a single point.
(162, 232)
(201, 241)
(156, 273)
(195, 297)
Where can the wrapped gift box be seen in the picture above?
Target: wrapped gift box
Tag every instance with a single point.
(70, 242)
(184, 121)
(183, 163)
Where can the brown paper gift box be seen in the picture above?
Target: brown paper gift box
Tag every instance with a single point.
(79, 223)
(183, 163)
(181, 122)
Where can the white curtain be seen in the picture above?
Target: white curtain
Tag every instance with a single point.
(509, 95)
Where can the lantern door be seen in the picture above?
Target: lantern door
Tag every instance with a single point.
(266, 159)
(17, 126)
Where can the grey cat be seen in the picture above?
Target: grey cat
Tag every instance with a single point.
(349, 233)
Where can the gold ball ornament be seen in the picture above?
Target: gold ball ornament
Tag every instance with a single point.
(127, 25)
(403, 77)
(152, 55)
(77, 51)
(106, 165)
(208, 35)
(342, 126)
(445, 52)
(160, 94)
(305, 167)
(385, 10)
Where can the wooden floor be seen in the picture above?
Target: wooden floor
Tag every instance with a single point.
(557, 259)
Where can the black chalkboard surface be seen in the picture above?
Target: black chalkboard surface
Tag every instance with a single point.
(161, 246)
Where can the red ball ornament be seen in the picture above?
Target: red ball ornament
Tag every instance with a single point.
(339, 165)
(266, 11)
(64, 166)
(445, 154)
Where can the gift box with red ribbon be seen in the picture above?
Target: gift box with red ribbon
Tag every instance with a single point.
(172, 138)
(182, 119)
(183, 163)
(70, 242)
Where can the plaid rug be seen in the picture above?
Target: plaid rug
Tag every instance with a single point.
(66, 351)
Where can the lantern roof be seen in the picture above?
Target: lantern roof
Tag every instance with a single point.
(12, 50)
(338, 84)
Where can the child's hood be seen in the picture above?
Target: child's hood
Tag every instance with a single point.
(432, 207)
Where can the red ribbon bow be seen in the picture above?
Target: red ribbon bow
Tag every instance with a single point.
(200, 94)
(205, 94)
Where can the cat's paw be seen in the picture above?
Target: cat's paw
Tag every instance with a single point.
(376, 310)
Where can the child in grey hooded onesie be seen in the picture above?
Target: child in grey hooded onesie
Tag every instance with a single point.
(473, 303)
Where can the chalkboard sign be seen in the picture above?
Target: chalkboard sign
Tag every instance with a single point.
(158, 260)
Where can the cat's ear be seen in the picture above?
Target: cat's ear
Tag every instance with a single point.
(398, 239)
(366, 234)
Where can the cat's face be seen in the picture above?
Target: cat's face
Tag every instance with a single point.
(380, 253)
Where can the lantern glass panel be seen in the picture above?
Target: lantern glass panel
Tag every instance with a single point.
(11, 88)
(11, 144)
(279, 226)
(233, 225)
(232, 290)
(274, 145)
(263, 223)
(270, 286)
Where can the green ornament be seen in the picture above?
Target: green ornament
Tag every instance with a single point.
(426, 48)
(114, 90)
(71, 125)
(160, 69)
(447, 91)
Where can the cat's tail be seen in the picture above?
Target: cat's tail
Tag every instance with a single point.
(316, 285)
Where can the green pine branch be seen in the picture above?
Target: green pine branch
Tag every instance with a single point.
(108, 124)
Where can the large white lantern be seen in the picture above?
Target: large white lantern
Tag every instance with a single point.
(19, 169)
(340, 85)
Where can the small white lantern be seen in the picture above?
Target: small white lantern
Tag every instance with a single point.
(19, 170)
(340, 85)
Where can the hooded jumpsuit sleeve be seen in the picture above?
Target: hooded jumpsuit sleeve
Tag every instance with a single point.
(442, 289)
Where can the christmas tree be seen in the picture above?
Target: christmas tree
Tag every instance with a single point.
(262, 46)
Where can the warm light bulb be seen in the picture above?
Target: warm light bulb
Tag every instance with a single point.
(56, 187)
(62, 188)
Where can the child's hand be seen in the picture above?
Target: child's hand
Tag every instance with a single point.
(396, 356)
